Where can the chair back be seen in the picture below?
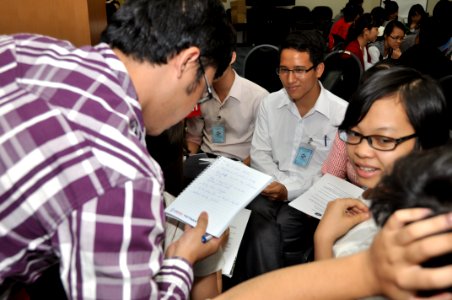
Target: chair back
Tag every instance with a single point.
(343, 72)
(300, 18)
(322, 17)
(260, 66)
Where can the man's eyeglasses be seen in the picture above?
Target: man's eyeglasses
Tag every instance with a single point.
(298, 71)
(397, 38)
(208, 93)
(378, 142)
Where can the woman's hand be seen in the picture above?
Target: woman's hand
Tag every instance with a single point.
(340, 216)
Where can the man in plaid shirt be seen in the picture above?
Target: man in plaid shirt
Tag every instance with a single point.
(77, 186)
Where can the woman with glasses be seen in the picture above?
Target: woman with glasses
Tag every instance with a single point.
(389, 47)
(395, 112)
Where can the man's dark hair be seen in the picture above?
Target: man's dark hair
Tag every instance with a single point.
(421, 179)
(391, 7)
(157, 30)
(419, 94)
(310, 41)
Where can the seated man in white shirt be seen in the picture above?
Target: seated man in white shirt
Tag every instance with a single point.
(295, 129)
(226, 124)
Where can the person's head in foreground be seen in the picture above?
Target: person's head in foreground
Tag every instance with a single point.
(189, 41)
(421, 179)
(393, 113)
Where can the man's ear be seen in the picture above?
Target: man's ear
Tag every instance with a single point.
(233, 58)
(319, 69)
(185, 58)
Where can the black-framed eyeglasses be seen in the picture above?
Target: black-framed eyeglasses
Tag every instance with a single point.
(378, 142)
(297, 71)
(208, 95)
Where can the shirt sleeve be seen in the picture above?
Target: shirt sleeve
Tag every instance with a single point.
(336, 162)
(374, 54)
(261, 147)
(112, 247)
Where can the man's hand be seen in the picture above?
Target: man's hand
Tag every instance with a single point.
(190, 245)
(340, 216)
(399, 249)
(275, 191)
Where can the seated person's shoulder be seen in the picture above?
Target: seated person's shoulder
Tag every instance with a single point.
(252, 87)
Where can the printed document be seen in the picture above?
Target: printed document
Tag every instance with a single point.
(314, 201)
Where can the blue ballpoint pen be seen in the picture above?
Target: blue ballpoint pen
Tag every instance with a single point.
(206, 237)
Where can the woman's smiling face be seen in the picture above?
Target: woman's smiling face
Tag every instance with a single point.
(386, 117)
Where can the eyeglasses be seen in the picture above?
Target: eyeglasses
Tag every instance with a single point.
(298, 71)
(378, 142)
(397, 38)
(208, 95)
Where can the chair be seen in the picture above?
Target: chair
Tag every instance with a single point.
(267, 24)
(260, 66)
(342, 75)
(300, 18)
(446, 84)
(322, 17)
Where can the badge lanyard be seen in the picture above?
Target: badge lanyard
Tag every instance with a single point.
(218, 131)
(304, 154)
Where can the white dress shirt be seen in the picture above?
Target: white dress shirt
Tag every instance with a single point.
(238, 115)
(280, 130)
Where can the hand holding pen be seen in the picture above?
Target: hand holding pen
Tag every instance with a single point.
(195, 244)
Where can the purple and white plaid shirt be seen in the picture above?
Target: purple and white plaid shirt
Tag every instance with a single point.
(77, 185)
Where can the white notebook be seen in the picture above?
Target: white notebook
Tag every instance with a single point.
(314, 201)
(222, 190)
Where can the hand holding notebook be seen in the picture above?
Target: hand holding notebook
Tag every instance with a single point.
(221, 190)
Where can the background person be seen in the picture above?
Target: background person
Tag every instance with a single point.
(226, 124)
(360, 34)
(389, 48)
(294, 131)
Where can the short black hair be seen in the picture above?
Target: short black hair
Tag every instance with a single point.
(391, 7)
(157, 30)
(420, 95)
(420, 179)
(310, 41)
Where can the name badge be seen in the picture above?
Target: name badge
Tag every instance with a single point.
(304, 155)
(218, 134)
